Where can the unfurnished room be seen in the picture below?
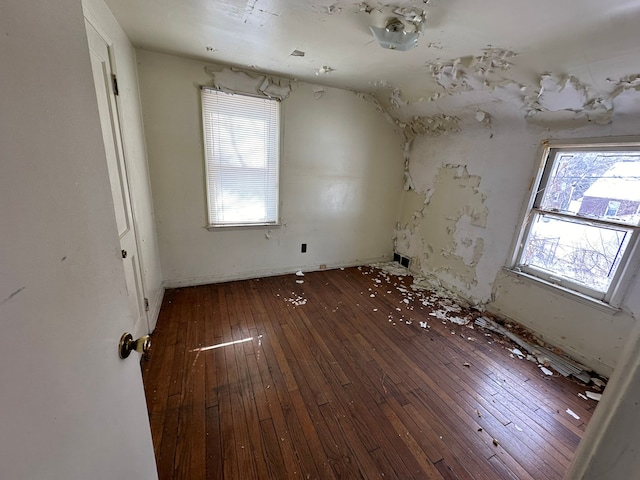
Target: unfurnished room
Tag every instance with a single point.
(273, 239)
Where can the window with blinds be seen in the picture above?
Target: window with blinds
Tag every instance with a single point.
(242, 151)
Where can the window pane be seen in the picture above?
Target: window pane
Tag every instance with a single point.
(603, 185)
(242, 139)
(587, 254)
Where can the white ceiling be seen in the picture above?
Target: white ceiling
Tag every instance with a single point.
(597, 42)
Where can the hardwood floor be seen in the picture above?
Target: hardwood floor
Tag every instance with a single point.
(270, 378)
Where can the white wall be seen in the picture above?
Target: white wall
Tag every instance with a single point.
(124, 65)
(610, 447)
(69, 407)
(504, 157)
(340, 180)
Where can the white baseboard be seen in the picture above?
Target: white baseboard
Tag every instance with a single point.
(154, 309)
(230, 277)
(593, 363)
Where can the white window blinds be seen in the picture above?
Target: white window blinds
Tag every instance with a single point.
(242, 150)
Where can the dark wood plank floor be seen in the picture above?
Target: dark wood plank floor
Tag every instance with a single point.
(336, 378)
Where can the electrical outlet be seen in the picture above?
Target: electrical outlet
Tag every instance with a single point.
(303, 248)
(323, 266)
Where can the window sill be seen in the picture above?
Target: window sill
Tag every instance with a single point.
(565, 292)
(242, 226)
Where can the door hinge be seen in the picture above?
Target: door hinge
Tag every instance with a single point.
(114, 84)
(146, 304)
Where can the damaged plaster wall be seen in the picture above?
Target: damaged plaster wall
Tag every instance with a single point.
(450, 245)
(460, 212)
(340, 177)
(485, 120)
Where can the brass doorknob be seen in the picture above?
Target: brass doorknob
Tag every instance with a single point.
(128, 344)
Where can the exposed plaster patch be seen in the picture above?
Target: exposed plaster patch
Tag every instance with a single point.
(233, 80)
(568, 99)
(559, 98)
(443, 228)
(432, 126)
(561, 94)
(467, 247)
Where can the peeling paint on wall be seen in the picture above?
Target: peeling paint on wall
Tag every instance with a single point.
(472, 72)
(556, 98)
(432, 126)
(630, 82)
(439, 229)
(568, 94)
(234, 80)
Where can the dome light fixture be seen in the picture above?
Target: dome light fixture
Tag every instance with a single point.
(394, 36)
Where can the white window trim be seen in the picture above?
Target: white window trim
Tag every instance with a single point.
(277, 223)
(630, 262)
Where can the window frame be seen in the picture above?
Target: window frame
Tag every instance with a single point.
(210, 224)
(630, 260)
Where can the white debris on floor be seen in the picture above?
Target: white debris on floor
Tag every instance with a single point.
(545, 370)
(296, 300)
(594, 396)
(573, 414)
(422, 293)
(542, 355)
(425, 293)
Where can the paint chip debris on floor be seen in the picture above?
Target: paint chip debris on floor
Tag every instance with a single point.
(422, 299)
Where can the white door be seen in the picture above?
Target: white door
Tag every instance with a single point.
(106, 84)
(70, 408)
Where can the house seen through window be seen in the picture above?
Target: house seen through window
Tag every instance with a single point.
(242, 148)
(581, 227)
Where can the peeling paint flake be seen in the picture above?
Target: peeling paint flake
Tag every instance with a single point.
(594, 396)
(324, 70)
(332, 9)
(566, 99)
(573, 414)
(454, 246)
(561, 94)
(233, 80)
(432, 126)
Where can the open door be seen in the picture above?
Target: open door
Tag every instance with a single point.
(106, 90)
(70, 408)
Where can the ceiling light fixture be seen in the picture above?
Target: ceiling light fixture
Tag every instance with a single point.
(394, 36)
